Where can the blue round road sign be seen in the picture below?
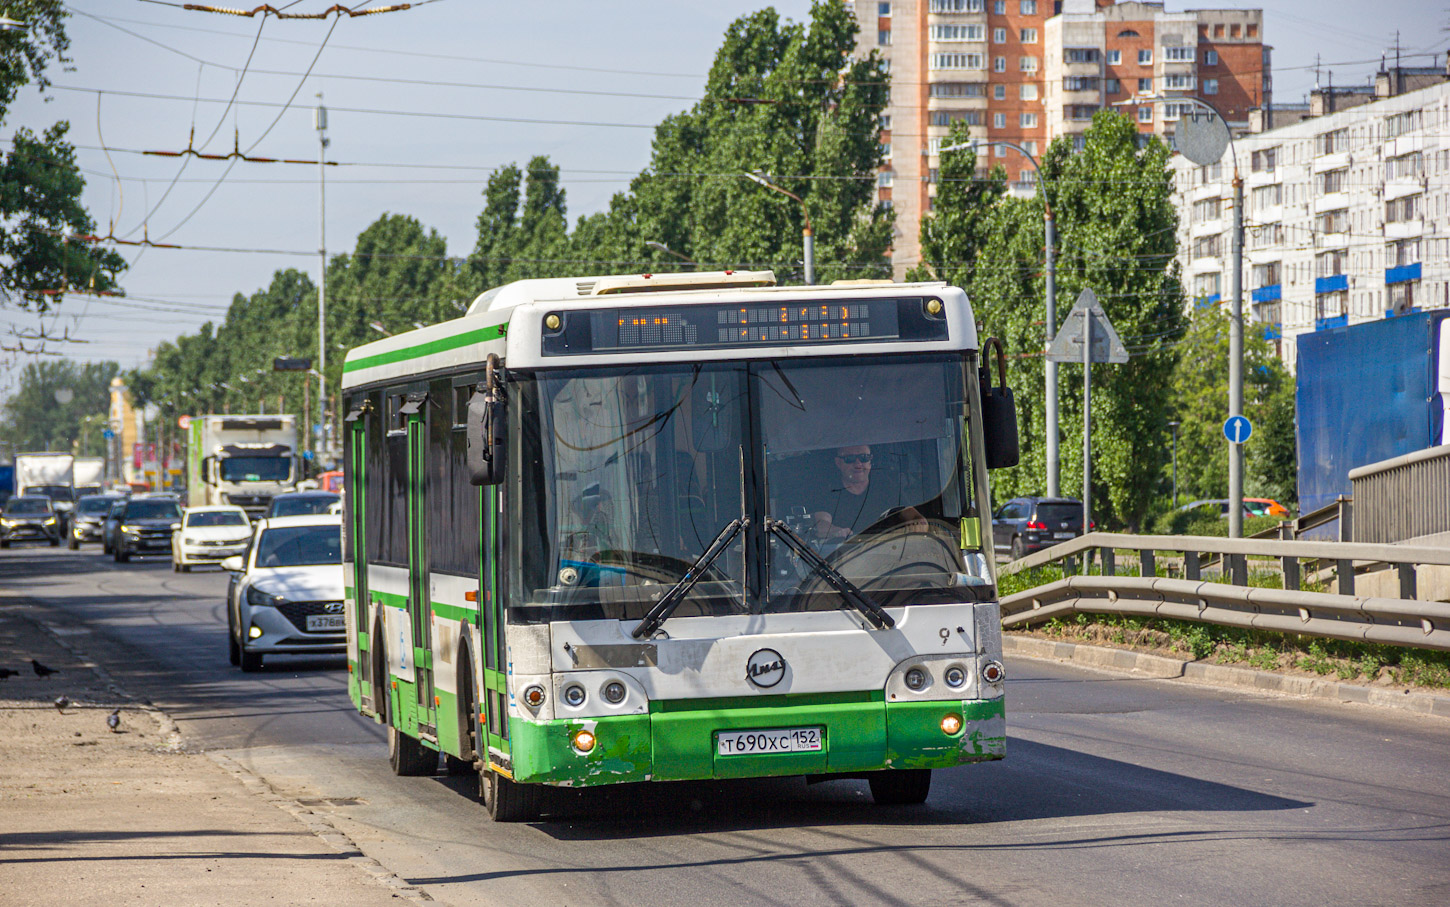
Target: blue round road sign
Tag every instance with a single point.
(1237, 429)
(108, 434)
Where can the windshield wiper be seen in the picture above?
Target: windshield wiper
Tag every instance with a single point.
(853, 596)
(671, 599)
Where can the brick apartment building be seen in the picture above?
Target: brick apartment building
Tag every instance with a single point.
(1028, 71)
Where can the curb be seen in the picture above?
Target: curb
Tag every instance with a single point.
(1161, 667)
(169, 730)
(316, 824)
(321, 827)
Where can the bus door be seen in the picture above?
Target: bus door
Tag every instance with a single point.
(356, 503)
(494, 701)
(420, 609)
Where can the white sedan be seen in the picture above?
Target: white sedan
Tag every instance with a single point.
(208, 535)
(285, 595)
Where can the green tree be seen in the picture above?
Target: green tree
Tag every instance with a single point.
(35, 420)
(40, 184)
(1200, 404)
(791, 100)
(1116, 226)
(961, 219)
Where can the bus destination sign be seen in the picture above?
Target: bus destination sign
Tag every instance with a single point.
(721, 326)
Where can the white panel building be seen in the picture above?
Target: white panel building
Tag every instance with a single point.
(1347, 217)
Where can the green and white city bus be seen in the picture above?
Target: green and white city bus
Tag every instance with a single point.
(667, 527)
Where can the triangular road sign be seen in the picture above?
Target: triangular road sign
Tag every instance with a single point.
(1106, 345)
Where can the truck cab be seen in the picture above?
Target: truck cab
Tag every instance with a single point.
(242, 460)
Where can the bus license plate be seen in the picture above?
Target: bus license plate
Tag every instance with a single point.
(317, 622)
(778, 740)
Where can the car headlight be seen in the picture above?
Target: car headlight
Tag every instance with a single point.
(131, 530)
(186, 540)
(7, 523)
(174, 526)
(257, 598)
(49, 521)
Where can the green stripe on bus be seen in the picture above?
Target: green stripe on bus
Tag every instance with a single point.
(443, 345)
(787, 700)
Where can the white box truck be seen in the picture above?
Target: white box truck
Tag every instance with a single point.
(241, 460)
(88, 476)
(49, 474)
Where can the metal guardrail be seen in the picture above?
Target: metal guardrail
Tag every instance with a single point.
(1404, 497)
(1392, 621)
(1341, 615)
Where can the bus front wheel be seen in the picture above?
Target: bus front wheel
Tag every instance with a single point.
(506, 800)
(901, 787)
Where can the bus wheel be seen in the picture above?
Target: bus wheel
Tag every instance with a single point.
(902, 787)
(509, 801)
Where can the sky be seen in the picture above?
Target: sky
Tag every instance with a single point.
(422, 105)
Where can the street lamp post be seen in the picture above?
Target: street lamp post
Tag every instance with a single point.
(661, 247)
(1174, 426)
(807, 235)
(319, 120)
(1049, 226)
(1202, 150)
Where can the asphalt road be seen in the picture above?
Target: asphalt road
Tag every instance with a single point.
(1114, 790)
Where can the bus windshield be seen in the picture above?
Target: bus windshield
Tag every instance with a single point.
(256, 469)
(629, 474)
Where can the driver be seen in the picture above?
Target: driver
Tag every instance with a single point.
(851, 501)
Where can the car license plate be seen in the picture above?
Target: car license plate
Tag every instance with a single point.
(778, 740)
(1063, 535)
(317, 622)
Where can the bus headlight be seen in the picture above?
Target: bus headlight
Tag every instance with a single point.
(574, 695)
(614, 692)
(915, 679)
(955, 676)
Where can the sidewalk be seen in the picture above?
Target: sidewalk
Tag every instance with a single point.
(88, 815)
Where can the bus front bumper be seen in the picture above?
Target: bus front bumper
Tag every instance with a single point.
(681, 744)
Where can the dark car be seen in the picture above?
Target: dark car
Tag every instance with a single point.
(1024, 525)
(144, 526)
(88, 519)
(29, 517)
(111, 525)
(302, 503)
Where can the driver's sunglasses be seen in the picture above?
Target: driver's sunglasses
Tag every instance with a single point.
(854, 458)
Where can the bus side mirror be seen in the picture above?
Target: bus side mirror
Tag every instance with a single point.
(999, 413)
(487, 438)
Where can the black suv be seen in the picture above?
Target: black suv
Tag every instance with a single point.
(29, 517)
(144, 526)
(1024, 525)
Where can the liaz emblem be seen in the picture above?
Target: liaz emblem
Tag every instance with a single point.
(765, 668)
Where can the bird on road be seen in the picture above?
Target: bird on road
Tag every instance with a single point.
(61, 702)
(113, 720)
(41, 670)
(6, 673)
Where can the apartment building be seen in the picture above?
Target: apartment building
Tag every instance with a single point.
(1027, 71)
(1346, 214)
